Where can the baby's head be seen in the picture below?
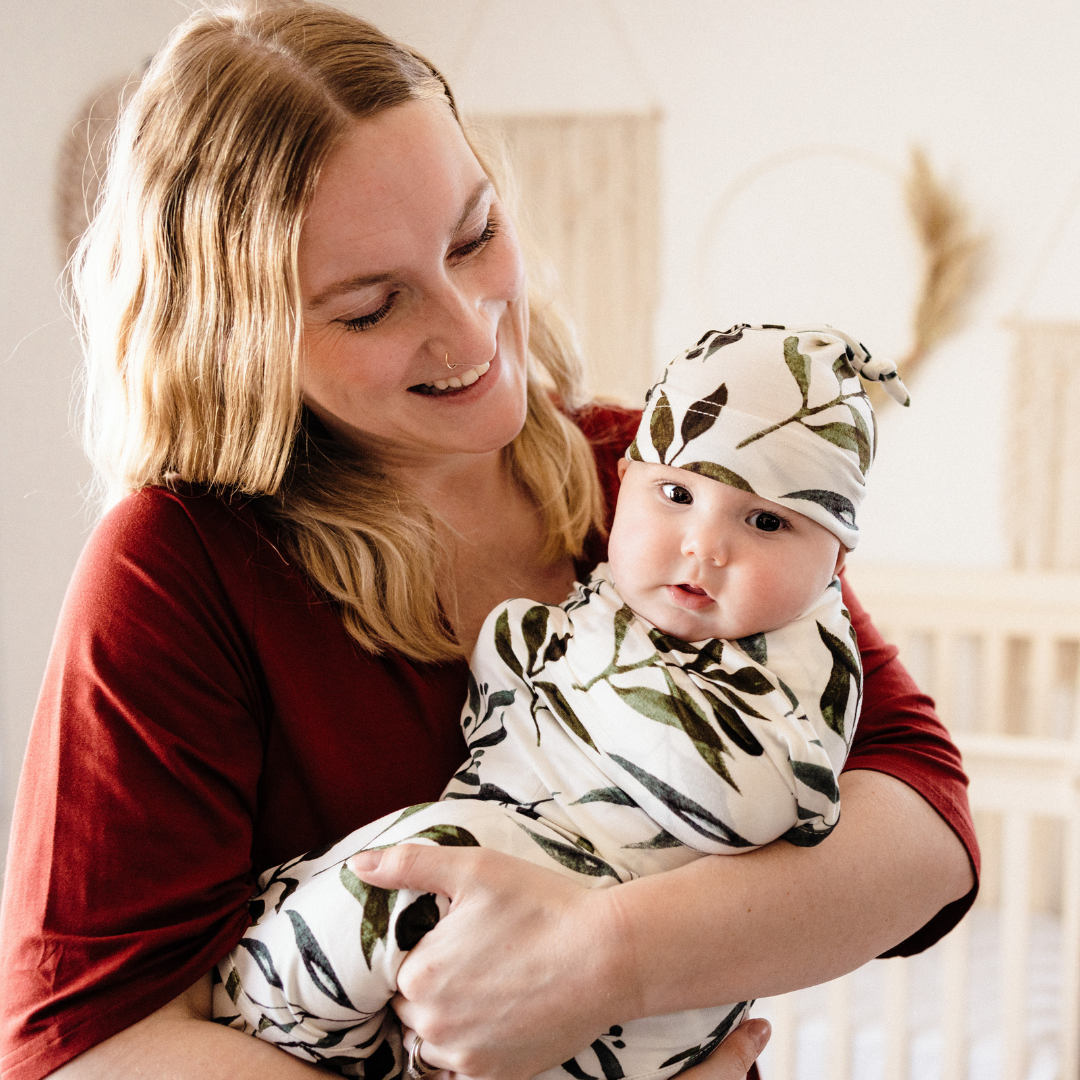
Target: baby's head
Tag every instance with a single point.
(739, 493)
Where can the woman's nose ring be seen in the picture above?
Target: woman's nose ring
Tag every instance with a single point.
(446, 361)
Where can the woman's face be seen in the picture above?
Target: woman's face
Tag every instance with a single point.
(406, 258)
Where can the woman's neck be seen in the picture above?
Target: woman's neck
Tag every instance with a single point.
(494, 533)
(464, 491)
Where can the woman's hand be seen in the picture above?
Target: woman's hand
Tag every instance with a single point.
(492, 1020)
(520, 975)
(732, 1059)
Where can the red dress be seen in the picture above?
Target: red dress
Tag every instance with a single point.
(205, 716)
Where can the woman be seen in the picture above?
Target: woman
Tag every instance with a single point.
(262, 645)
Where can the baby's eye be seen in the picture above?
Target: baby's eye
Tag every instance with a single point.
(766, 522)
(677, 494)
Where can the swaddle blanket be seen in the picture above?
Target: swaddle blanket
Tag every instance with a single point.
(601, 748)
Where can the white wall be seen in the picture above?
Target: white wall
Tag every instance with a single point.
(990, 89)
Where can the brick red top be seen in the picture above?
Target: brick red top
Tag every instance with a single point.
(205, 715)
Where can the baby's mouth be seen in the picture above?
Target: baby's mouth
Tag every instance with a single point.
(689, 596)
(439, 387)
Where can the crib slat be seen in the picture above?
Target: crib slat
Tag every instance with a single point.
(896, 1019)
(839, 1055)
(782, 1046)
(1070, 989)
(954, 1013)
(1015, 927)
(994, 672)
(943, 667)
(1041, 685)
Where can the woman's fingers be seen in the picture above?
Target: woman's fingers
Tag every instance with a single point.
(519, 975)
(732, 1059)
(428, 1057)
(414, 866)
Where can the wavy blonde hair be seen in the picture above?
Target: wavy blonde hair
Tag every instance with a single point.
(187, 294)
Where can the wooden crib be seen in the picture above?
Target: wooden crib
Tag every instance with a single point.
(1000, 653)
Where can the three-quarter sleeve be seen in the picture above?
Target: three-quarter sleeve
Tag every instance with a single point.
(900, 734)
(132, 833)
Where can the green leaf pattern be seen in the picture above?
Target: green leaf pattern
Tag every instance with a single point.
(719, 409)
(627, 751)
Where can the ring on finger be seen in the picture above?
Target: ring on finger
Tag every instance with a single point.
(416, 1067)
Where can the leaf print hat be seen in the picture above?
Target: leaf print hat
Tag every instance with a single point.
(778, 412)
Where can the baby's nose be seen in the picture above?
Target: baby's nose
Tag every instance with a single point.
(708, 546)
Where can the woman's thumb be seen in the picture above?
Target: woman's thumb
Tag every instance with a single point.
(747, 1041)
(423, 867)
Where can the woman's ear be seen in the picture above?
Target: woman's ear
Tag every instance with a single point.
(841, 556)
(622, 467)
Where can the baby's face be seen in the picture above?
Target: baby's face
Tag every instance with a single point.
(700, 559)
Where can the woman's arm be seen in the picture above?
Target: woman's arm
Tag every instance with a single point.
(178, 1042)
(547, 964)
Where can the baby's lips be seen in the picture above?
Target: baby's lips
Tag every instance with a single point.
(692, 589)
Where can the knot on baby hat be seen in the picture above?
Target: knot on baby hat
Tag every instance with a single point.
(777, 412)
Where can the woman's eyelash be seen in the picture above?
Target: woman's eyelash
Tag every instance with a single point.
(490, 229)
(366, 322)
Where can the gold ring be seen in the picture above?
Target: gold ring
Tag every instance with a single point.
(417, 1068)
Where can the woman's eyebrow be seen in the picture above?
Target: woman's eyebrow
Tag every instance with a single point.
(352, 284)
(478, 194)
(348, 285)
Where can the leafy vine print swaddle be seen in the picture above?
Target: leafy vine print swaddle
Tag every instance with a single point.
(600, 748)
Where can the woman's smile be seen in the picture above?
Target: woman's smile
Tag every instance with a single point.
(454, 385)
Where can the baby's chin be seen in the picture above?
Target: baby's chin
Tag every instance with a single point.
(688, 626)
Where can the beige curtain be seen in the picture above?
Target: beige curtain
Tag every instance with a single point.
(589, 188)
(1042, 467)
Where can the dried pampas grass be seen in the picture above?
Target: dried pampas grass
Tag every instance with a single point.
(954, 259)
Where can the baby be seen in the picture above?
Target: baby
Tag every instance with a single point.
(696, 695)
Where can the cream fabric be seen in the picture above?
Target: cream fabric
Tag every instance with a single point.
(774, 411)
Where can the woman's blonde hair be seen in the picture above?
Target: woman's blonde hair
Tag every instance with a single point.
(187, 294)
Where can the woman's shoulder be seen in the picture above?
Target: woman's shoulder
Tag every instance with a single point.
(608, 424)
(610, 429)
(156, 517)
(183, 531)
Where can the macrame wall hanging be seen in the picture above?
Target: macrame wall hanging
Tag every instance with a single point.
(80, 167)
(1042, 460)
(589, 189)
(952, 253)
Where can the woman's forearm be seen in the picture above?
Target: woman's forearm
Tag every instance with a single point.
(179, 1042)
(732, 928)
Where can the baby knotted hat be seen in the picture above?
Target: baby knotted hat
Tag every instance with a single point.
(777, 412)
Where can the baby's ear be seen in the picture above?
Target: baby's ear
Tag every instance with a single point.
(622, 467)
(840, 558)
